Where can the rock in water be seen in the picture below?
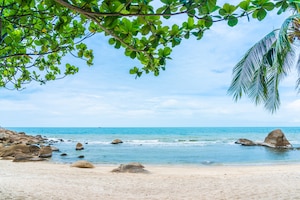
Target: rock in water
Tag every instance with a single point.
(276, 139)
(245, 142)
(116, 141)
(79, 146)
(82, 164)
(54, 148)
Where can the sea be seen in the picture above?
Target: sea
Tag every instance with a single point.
(199, 146)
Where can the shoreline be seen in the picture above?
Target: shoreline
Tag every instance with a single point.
(47, 180)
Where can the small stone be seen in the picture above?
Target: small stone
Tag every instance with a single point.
(54, 148)
(79, 146)
(131, 168)
(116, 141)
(82, 164)
(81, 156)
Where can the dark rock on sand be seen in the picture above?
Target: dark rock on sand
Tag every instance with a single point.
(276, 139)
(22, 157)
(63, 154)
(116, 141)
(82, 164)
(131, 168)
(245, 142)
(81, 156)
(79, 146)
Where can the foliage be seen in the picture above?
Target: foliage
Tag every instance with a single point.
(262, 68)
(36, 34)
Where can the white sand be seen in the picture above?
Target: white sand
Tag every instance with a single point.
(43, 180)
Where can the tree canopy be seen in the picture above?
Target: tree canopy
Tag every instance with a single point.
(36, 34)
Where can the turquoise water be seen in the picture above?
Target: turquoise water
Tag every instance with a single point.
(178, 146)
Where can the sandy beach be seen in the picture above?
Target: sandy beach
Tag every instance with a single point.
(44, 180)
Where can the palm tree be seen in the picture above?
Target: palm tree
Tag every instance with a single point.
(259, 72)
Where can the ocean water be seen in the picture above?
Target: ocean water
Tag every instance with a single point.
(175, 146)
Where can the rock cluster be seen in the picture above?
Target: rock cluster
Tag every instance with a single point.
(8, 137)
(20, 147)
(275, 139)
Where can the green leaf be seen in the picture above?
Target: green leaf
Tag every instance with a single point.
(211, 4)
(261, 14)
(268, 6)
(244, 5)
(111, 41)
(190, 24)
(232, 21)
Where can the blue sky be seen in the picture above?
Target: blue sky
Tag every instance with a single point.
(191, 92)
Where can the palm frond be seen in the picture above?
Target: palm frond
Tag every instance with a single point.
(284, 47)
(257, 89)
(272, 102)
(298, 69)
(244, 71)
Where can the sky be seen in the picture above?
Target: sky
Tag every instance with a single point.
(191, 92)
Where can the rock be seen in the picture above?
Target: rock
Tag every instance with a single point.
(54, 148)
(79, 146)
(245, 142)
(131, 168)
(81, 156)
(82, 164)
(8, 137)
(21, 157)
(45, 152)
(276, 139)
(116, 141)
(63, 154)
(37, 159)
(3, 136)
(13, 149)
(34, 149)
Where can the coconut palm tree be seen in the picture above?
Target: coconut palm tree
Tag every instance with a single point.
(258, 74)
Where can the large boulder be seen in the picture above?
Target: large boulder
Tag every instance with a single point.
(131, 168)
(45, 152)
(82, 164)
(13, 149)
(276, 139)
(245, 142)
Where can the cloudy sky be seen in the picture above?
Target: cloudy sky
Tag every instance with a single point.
(191, 92)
